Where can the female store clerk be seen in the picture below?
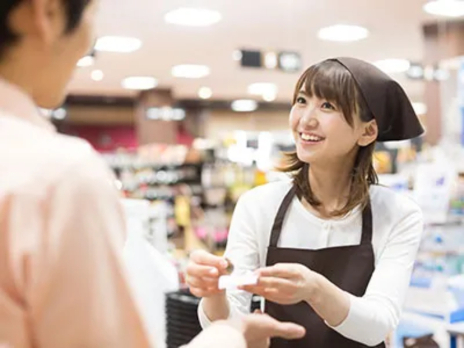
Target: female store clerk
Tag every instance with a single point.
(333, 250)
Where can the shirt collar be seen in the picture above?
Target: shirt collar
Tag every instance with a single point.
(16, 103)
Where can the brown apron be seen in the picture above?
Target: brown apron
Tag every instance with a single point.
(348, 267)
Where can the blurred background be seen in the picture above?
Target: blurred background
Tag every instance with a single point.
(188, 101)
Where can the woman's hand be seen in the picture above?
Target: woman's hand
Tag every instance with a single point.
(286, 284)
(203, 272)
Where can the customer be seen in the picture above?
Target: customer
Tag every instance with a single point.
(62, 282)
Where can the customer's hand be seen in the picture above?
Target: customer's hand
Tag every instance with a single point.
(256, 329)
(203, 272)
(259, 328)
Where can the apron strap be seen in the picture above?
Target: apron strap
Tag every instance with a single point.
(367, 226)
(279, 219)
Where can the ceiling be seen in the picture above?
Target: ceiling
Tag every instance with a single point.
(394, 25)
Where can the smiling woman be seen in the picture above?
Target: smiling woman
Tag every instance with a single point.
(332, 250)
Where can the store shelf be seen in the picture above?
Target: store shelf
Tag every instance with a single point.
(155, 166)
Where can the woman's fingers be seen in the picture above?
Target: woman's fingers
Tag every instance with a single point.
(198, 270)
(202, 282)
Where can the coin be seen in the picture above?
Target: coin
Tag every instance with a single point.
(230, 266)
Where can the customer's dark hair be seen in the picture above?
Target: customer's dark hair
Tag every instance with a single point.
(74, 10)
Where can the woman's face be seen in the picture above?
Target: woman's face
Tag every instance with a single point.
(321, 132)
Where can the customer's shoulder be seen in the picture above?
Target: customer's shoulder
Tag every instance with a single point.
(42, 158)
(77, 158)
(66, 153)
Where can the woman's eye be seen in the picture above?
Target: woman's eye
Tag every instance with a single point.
(328, 106)
(300, 100)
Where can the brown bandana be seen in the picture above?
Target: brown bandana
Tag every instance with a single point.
(386, 100)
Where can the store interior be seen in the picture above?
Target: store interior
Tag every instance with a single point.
(188, 102)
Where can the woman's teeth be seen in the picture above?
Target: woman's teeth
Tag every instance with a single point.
(308, 137)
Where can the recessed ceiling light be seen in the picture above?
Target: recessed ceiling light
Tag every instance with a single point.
(445, 8)
(139, 83)
(419, 108)
(85, 61)
(343, 33)
(415, 71)
(178, 114)
(262, 88)
(393, 66)
(166, 113)
(205, 93)
(244, 105)
(118, 44)
(190, 71)
(193, 17)
(97, 75)
(290, 61)
(271, 61)
(237, 55)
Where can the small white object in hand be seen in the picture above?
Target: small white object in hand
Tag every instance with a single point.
(232, 282)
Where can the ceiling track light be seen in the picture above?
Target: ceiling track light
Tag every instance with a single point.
(190, 71)
(244, 105)
(193, 17)
(118, 44)
(445, 8)
(343, 33)
(139, 83)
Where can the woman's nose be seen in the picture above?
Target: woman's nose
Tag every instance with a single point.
(309, 117)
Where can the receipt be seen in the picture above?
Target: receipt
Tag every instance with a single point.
(232, 282)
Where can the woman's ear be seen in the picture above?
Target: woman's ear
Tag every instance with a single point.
(369, 133)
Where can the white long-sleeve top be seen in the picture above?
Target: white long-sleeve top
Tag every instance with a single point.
(397, 229)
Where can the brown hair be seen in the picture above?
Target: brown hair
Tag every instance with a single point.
(332, 81)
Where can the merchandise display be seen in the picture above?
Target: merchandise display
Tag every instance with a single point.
(203, 215)
(197, 201)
